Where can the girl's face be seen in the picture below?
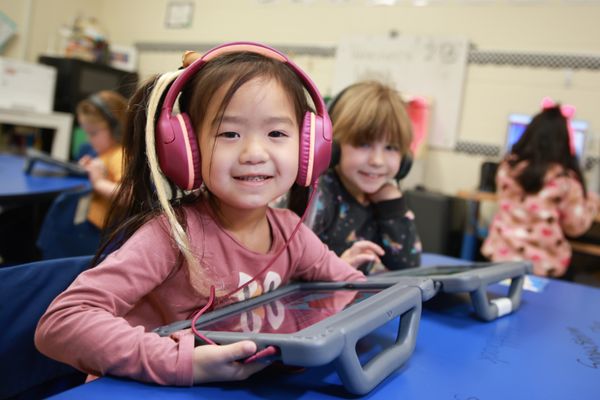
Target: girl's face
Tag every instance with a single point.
(251, 158)
(365, 169)
(98, 133)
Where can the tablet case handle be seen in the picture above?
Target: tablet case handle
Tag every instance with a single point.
(360, 380)
(489, 310)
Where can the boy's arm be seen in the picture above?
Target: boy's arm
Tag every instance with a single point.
(398, 233)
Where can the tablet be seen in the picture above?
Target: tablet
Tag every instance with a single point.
(312, 324)
(473, 279)
(70, 168)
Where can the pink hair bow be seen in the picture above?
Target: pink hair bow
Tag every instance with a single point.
(567, 111)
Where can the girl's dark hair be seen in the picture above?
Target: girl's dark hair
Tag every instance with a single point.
(136, 200)
(544, 143)
(133, 204)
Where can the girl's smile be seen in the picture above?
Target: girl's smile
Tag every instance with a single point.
(254, 180)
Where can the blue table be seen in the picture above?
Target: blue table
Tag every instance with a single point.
(24, 200)
(18, 188)
(548, 349)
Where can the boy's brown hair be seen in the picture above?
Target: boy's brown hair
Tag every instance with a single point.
(370, 111)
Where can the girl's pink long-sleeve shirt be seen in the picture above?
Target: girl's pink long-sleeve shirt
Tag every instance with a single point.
(102, 324)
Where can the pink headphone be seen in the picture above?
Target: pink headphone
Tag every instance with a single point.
(178, 151)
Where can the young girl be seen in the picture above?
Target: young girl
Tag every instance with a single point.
(541, 196)
(102, 117)
(246, 106)
(360, 212)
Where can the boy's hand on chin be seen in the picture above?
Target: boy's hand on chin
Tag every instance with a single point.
(388, 191)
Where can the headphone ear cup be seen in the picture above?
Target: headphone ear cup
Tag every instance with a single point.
(305, 149)
(178, 151)
(405, 166)
(196, 162)
(315, 148)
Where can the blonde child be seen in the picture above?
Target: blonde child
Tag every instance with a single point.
(246, 106)
(102, 117)
(360, 212)
(541, 196)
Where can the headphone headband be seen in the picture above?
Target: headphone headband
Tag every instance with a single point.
(331, 104)
(101, 105)
(234, 47)
(178, 152)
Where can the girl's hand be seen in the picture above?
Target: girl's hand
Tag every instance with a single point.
(85, 160)
(362, 252)
(96, 170)
(214, 363)
(388, 191)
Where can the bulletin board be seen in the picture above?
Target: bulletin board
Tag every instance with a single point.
(417, 65)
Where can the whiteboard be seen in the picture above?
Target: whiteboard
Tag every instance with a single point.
(416, 65)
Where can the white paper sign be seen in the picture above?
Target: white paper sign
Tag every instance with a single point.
(427, 66)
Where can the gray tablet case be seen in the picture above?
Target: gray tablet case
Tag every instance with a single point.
(334, 338)
(473, 279)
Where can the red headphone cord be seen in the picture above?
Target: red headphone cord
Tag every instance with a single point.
(211, 299)
(208, 305)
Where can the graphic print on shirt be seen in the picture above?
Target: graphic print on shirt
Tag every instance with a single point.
(272, 281)
(273, 314)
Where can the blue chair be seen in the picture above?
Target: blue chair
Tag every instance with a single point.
(25, 292)
(65, 231)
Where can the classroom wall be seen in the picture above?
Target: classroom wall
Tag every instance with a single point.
(38, 23)
(491, 91)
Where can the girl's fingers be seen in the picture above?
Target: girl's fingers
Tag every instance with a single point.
(213, 363)
(243, 371)
(237, 351)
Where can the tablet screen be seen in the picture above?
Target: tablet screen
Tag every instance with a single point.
(440, 270)
(291, 312)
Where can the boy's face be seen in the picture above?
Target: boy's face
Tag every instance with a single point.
(365, 169)
(251, 158)
(98, 133)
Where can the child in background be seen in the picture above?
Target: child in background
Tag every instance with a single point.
(245, 106)
(360, 212)
(102, 117)
(541, 196)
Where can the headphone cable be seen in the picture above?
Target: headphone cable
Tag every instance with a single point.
(211, 299)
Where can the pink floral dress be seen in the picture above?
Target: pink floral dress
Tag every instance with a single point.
(533, 226)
